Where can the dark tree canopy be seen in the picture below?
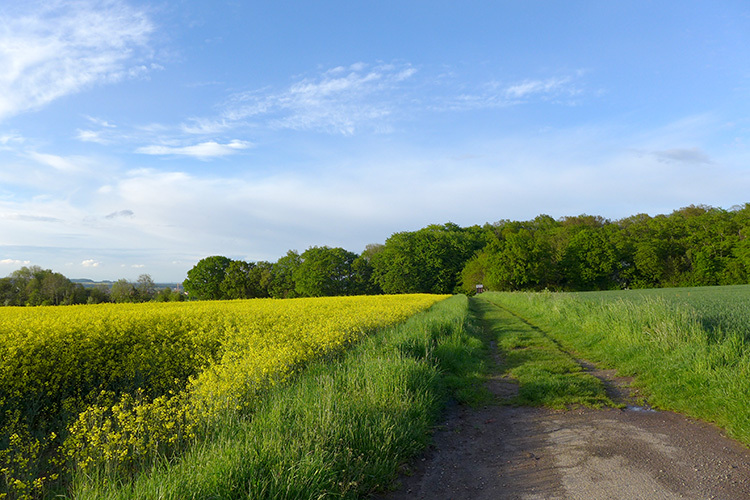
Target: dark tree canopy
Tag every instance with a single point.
(695, 245)
(35, 286)
(426, 261)
(325, 271)
(245, 280)
(282, 276)
(204, 279)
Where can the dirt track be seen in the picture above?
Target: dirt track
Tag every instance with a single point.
(503, 452)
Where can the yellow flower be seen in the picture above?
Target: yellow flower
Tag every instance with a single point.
(144, 378)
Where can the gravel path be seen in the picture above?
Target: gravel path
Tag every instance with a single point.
(504, 452)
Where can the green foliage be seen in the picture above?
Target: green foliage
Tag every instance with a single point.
(123, 291)
(325, 272)
(693, 246)
(474, 272)
(687, 348)
(589, 261)
(244, 280)
(205, 278)
(362, 282)
(169, 295)
(282, 284)
(34, 286)
(145, 288)
(426, 261)
(522, 261)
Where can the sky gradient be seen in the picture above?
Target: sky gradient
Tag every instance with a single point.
(139, 137)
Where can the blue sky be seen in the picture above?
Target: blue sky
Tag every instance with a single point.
(139, 137)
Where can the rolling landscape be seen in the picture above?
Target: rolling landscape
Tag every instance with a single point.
(374, 250)
(326, 373)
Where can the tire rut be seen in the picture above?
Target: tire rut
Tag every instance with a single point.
(504, 452)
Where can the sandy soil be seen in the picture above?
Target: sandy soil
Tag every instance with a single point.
(503, 452)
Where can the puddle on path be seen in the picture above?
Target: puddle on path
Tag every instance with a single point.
(646, 409)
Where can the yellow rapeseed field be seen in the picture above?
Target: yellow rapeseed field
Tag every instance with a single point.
(116, 385)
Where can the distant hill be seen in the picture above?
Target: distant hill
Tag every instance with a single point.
(89, 283)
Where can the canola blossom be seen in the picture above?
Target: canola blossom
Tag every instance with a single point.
(114, 385)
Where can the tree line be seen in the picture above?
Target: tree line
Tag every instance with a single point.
(692, 246)
(34, 286)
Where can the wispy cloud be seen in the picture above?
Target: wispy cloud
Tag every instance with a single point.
(57, 162)
(120, 213)
(344, 100)
(202, 151)
(29, 218)
(100, 122)
(95, 136)
(49, 49)
(182, 215)
(9, 139)
(203, 126)
(103, 136)
(695, 156)
(560, 89)
(531, 88)
(340, 100)
(91, 263)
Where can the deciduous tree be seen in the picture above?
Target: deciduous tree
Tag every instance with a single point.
(325, 271)
(204, 279)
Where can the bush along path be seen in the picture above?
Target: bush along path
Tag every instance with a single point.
(559, 428)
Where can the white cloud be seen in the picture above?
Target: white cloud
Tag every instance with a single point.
(203, 151)
(8, 139)
(95, 136)
(90, 263)
(50, 48)
(15, 262)
(100, 122)
(66, 165)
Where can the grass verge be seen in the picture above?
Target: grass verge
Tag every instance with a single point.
(339, 430)
(679, 360)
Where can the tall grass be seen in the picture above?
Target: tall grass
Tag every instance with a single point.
(340, 429)
(683, 352)
(112, 389)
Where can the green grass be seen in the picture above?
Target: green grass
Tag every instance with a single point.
(547, 375)
(340, 430)
(686, 348)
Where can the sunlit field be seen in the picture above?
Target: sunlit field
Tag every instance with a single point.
(112, 389)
